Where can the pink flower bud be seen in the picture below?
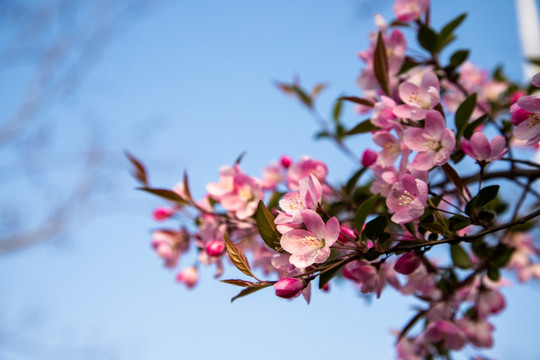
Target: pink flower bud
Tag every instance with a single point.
(161, 214)
(407, 263)
(286, 161)
(514, 97)
(215, 248)
(188, 276)
(289, 287)
(369, 157)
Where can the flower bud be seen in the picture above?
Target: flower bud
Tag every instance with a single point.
(407, 263)
(286, 161)
(188, 276)
(161, 214)
(289, 287)
(369, 157)
(215, 248)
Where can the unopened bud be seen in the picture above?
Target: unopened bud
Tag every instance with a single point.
(407, 263)
(161, 214)
(369, 157)
(289, 287)
(286, 161)
(188, 276)
(215, 248)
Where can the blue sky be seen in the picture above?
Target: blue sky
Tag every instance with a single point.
(190, 87)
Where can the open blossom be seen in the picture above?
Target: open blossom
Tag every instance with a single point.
(309, 196)
(304, 167)
(452, 336)
(407, 199)
(168, 244)
(433, 143)
(479, 332)
(418, 99)
(526, 117)
(370, 279)
(481, 149)
(391, 148)
(236, 191)
(407, 10)
(311, 245)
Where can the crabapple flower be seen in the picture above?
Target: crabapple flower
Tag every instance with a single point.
(418, 99)
(169, 244)
(489, 302)
(478, 331)
(391, 148)
(481, 149)
(311, 245)
(304, 167)
(407, 10)
(367, 276)
(189, 276)
(454, 338)
(433, 143)
(289, 287)
(407, 199)
(528, 122)
(536, 80)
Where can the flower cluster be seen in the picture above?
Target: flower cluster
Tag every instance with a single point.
(431, 121)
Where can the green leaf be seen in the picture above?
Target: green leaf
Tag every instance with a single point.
(251, 290)
(351, 183)
(375, 227)
(428, 38)
(380, 65)
(363, 127)
(357, 100)
(493, 274)
(469, 130)
(458, 57)
(336, 113)
(446, 36)
(460, 257)
(432, 227)
(453, 176)
(139, 172)
(237, 257)
(463, 114)
(363, 212)
(304, 98)
(483, 197)
(267, 227)
(458, 222)
(327, 275)
(239, 158)
(165, 194)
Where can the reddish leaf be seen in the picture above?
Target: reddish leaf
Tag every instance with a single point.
(139, 172)
(237, 257)
(380, 65)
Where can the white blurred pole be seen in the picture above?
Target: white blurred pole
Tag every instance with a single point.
(529, 32)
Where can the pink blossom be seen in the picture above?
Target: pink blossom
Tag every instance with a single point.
(292, 203)
(272, 176)
(454, 338)
(236, 191)
(479, 332)
(304, 167)
(189, 276)
(483, 150)
(407, 199)
(536, 80)
(311, 245)
(385, 177)
(418, 99)
(391, 148)
(528, 122)
(289, 287)
(383, 116)
(370, 278)
(369, 157)
(433, 143)
(407, 10)
(168, 244)
(489, 302)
